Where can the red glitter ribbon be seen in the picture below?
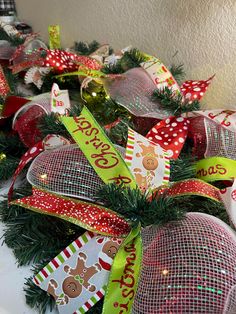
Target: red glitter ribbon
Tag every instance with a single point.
(89, 216)
(4, 87)
(191, 187)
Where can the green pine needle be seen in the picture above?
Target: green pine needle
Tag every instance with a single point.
(182, 168)
(8, 167)
(178, 72)
(173, 103)
(12, 80)
(38, 298)
(131, 59)
(50, 124)
(86, 49)
(10, 144)
(34, 237)
(136, 206)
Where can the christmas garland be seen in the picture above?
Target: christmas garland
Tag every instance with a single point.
(83, 179)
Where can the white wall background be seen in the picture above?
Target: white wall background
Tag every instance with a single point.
(199, 33)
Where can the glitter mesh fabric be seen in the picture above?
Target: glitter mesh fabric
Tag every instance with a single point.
(197, 133)
(65, 171)
(188, 267)
(133, 90)
(26, 119)
(26, 126)
(230, 307)
(220, 141)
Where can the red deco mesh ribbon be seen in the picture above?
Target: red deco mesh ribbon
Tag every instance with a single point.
(87, 215)
(197, 133)
(27, 125)
(170, 134)
(33, 59)
(191, 187)
(4, 87)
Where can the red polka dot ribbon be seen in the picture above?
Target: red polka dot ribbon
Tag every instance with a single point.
(194, 90)
(87, 215)
(62, 61)
(170, 134)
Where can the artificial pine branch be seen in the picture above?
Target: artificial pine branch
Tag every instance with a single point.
(119, 133)
(178, 72)
(174, 103)
(109, 111)
(130, 59)
(10, 144)
(65, 82)
(38, 298)
(8, 167)
(133, 59)
(32, 236)
(50, 124)
(182, 168)
(136, 206)
(86, 49)
(12, 80)
(113, 68)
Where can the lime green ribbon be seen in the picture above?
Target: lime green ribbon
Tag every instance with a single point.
(84, 72)
(216, 168)
(110, 166)
(98, 149)
(54, 36)
(123, 280)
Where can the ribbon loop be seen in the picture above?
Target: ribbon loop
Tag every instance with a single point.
(216, 168)
(98, 149)
(123, 280)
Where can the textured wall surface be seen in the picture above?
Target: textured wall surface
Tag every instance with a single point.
(201, 34)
